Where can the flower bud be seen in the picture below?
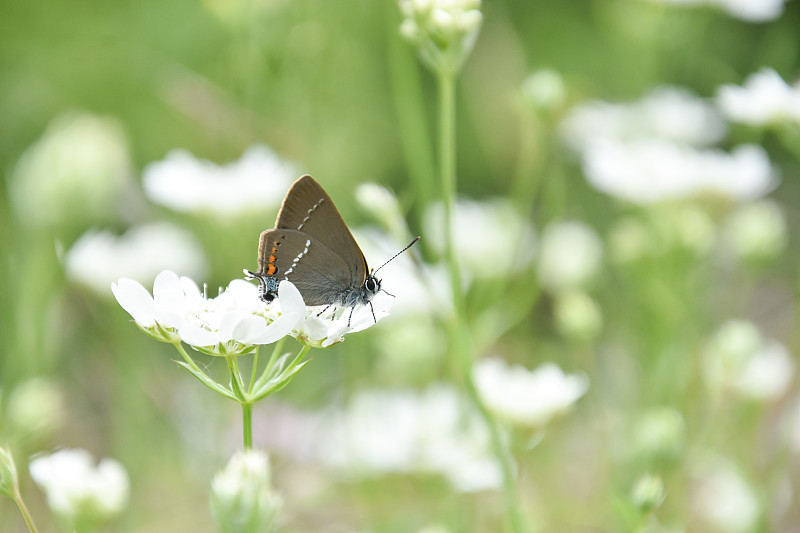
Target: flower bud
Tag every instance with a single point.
(544, 90)
(570, 255)
(659, 434)
(756, 232)
(9, 483)
(647, 493)
(578, 317)
(242, 499)
(35, 408)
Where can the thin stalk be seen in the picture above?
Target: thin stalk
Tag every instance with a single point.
(25, 513)
(461, 342)
(253, 371)
(247, 425)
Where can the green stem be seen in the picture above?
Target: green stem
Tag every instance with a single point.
(247, 425)
(25, 513)
(461, 335)
(253, 371)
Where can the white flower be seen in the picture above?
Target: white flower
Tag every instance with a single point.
(740, 359)
(404, 431)
(229, 324)
(653, 170)
(99, 257)
(78, 491)
(763, 99)
(491, 238)
(544, 90)
(570, 256)
(667, 113)
(184, 183)
(525, 397)
(242, 498)
(756, 231)
(76, 171)
(722, 499)
(748, 10)
(321, 328)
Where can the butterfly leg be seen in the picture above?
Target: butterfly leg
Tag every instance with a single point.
(351, 315)
(373, 312)
(326, 308)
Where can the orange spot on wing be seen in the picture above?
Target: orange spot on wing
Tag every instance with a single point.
(274, 250)
(271, 269)
(271, 259)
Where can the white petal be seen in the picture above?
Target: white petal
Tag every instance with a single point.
(136, 301)
(273, 332)
(197, 336)
(290, 298)
(167, 289)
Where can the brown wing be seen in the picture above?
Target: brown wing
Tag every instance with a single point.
(319, 274)
(309, 209)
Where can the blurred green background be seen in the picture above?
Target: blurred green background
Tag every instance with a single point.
(332, 88)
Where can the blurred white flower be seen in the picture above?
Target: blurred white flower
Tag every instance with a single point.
(99, 257)
(722, 500)
(75, 172)
(242, 497)
(230, 324)
(658, 434)
(382, 204)
(570, 255)
(78, 492)
(740, 359)
(405, 431)
(763, 99)
(653, 170)
(578, 317)
(756, 231)
(748, 10)
(544, 90)
(35, 408)
(444, 31)
(527, 397)
(256, 182)
(667, 113)
(491, 239)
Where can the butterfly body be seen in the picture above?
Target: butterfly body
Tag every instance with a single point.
(312, 247)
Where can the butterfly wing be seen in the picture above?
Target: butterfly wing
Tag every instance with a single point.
(318, 273)
(308, 208)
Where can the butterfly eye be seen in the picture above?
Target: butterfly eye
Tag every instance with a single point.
(371, 285)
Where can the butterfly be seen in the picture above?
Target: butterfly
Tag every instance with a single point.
(312, 247)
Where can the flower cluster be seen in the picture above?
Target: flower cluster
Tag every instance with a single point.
(748, 10)
(242, 498)
(765, 98)
(236, 320)
(80, 494)
(444, 31)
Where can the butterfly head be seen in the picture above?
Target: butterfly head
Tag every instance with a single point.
(372, 284)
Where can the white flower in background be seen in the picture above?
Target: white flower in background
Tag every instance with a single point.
(544, 90)
(35, 408)
(75, 172)
(763, 99)
(99, 258)
(740, 359)
(77, 491)
(242, 497)
(656, 150)
(722, 500)
(748, 10)
(578, 317)
(653, 170)
(186, 184)
(658, 434)
(444, 31)
(527, 397)
(667, 113)
(383, 206)
(421, 289)
(756, 231)
(229, 324)
(405, 431)
(570, 255)
(491, 238)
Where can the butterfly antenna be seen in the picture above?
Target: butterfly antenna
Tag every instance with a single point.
(412, 243)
